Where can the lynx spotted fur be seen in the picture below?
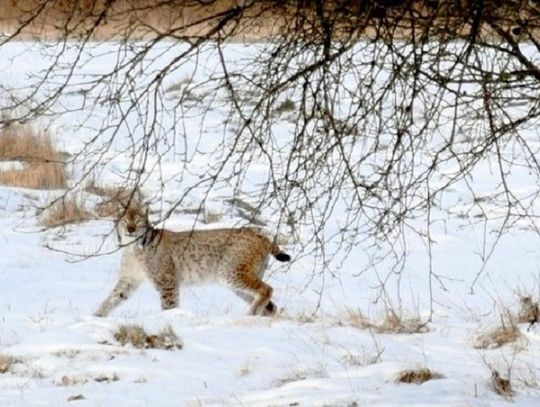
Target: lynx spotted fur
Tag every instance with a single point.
(234, 257)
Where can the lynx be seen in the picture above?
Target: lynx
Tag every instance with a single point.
(234, 257)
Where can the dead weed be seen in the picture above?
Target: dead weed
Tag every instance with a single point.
(393, 323)
(65, 211)
(114, 199)
(501, 385)
(506, 333)
(417, 376)
(139, 338)
(7, 362)
(44, 167)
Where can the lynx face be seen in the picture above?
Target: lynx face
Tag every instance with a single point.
(132, 226)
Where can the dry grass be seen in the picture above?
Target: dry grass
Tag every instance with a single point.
(72, 380)
(501, 385)
(66, 211)
(261, 20)
(7, 362)
(79, 380)
(44, 166)
(141, 18)
(357, 319)
(497, 337)
(300, 374)
(507, 332)
(105, 191)
(107, 378)
(36, 176)
(363, 359)
(109, 209)
(417, 376)
(392, 323)
(136, 336)
(114, 199)
(303, 317)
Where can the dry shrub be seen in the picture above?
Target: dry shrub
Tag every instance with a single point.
(7, 362)
(300, 374)
(63, 212)
(501, 385)
(497, 337)
(114, 199)
(23, 143)
(417, 376)
(358, 320)
(107, 378)
(139, 338)
(36, 176)
(507, 332)
(303, 317)
(392, 323)
(44, 166)
(79, 380)
(363, 359)
(104, 191)
(109, 209)
(72, 380)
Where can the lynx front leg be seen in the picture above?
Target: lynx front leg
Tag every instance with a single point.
(121, 292)
(167, 285)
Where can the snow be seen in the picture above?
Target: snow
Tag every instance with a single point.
(310, 355)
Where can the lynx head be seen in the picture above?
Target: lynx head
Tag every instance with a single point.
(133, 225)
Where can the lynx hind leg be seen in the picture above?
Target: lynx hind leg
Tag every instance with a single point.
(248, 282)
(121, 292)
(270, 308)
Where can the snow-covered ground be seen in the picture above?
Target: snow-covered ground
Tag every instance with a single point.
(312, 354)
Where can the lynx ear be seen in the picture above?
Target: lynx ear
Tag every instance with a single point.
(145, 208)
(139, 201)
(138, 198)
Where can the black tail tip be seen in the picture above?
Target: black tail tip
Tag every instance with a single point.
(283, 257)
